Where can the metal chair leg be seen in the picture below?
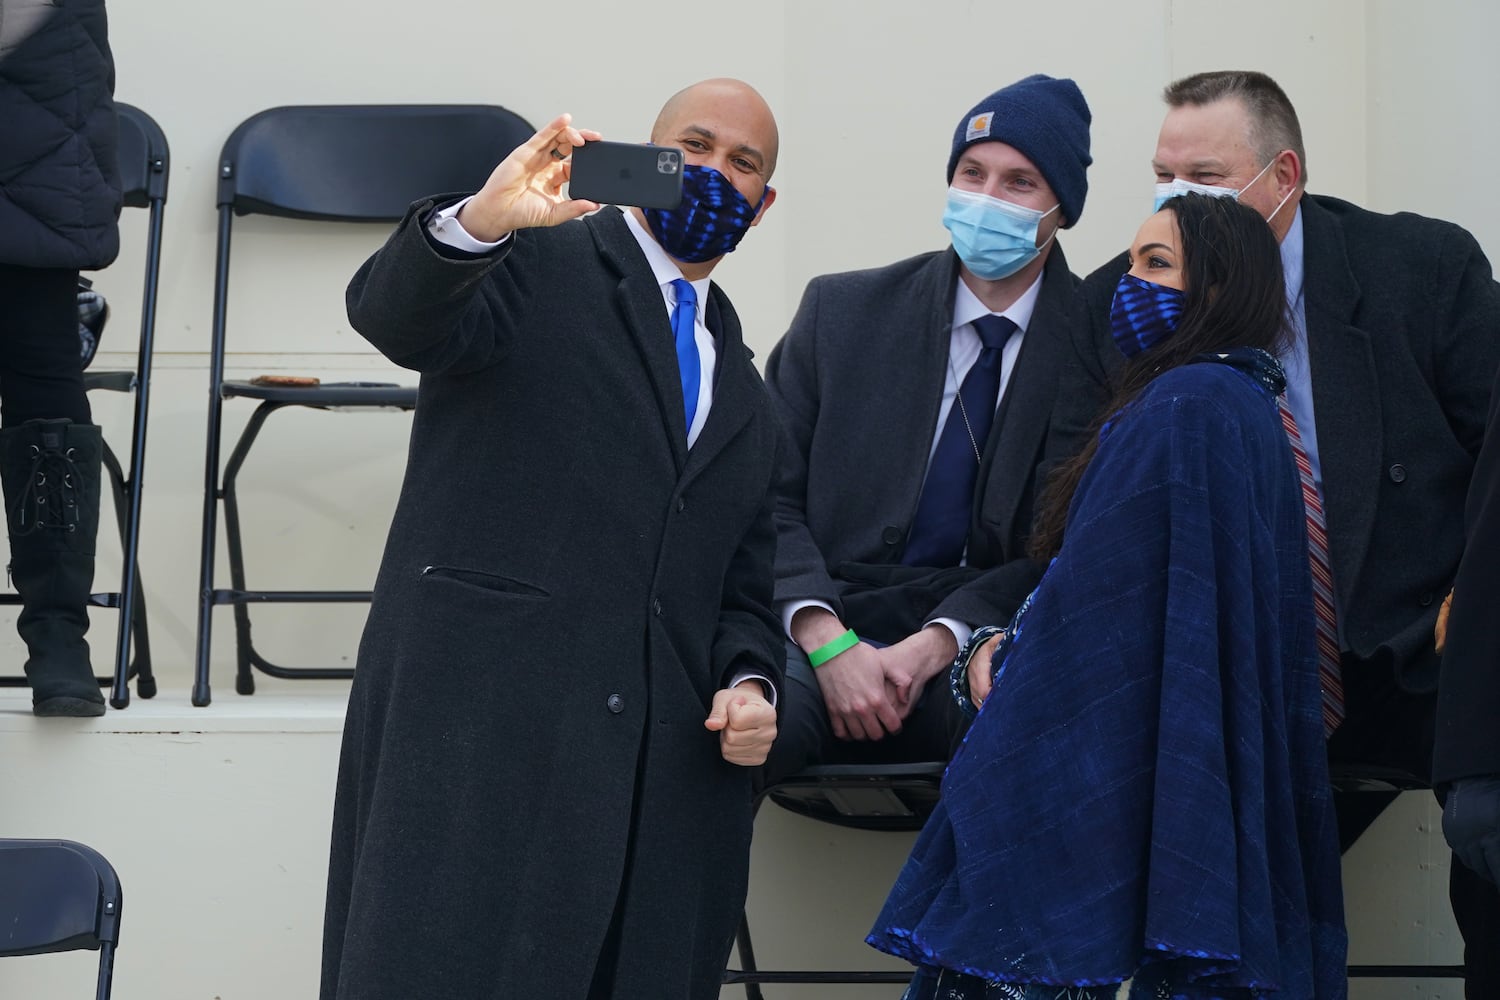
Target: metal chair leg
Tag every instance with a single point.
(747, 957)
(132, 624)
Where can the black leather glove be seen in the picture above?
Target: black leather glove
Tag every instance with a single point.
(1471, 824)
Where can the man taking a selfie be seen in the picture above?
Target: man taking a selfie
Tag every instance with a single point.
(570, 666)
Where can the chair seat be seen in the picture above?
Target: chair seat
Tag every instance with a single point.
(111, 381)
(328, 394)
(863, 796)
(1374, 778)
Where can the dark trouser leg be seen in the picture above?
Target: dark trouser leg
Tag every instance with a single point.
(1389, 727)
(805, 737)
(1476, 908)
(41, 371)
(803, 733)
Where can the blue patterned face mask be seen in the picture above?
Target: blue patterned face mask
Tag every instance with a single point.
(1143, 314)
(710, 220)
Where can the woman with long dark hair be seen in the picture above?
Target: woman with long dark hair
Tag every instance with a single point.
(1144, 795)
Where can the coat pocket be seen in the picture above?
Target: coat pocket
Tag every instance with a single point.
(483, 580)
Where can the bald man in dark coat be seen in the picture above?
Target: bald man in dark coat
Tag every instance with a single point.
(570, 664)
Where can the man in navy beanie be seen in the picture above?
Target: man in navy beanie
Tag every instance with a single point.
(917, 398)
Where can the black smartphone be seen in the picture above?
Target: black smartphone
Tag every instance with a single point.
(627, 173)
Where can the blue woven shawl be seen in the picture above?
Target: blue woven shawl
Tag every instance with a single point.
(1147, 784)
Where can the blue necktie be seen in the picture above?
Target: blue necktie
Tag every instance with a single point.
(940, 529)
(683, 316)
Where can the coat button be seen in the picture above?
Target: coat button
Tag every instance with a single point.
(615, 703)
(1398, 473)
(1426, 600)
(656, 606)
(681, 503)
(891, 535)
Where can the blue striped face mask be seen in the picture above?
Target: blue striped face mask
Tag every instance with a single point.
(710, 220)
(1143, 314)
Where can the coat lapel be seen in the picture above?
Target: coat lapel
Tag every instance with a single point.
(1025, 412)
(638, 297)
(1346, 395)
(733, 384)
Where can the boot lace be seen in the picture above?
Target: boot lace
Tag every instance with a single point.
(50, 499)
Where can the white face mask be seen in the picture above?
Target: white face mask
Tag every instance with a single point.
(1179, 186)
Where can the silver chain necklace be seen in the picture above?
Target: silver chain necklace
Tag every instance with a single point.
(963, 411)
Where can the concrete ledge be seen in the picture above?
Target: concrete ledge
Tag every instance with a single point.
(319, 708)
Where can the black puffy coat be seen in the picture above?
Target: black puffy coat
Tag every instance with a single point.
(59, 174)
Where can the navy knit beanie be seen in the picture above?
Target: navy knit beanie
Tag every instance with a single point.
(1045, 118)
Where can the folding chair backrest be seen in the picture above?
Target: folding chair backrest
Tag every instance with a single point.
(56, 895)
(319, 163)
(361, 163)
(144, 158)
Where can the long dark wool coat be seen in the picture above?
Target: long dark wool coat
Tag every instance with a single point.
(564, 588)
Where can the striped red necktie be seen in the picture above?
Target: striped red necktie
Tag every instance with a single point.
(1322, 579)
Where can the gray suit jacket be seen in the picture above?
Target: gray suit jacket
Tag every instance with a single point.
(858, 380)
(1403, 330)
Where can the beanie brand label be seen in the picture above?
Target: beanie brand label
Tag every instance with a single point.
(979, 127)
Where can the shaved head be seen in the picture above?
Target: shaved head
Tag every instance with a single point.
(728, 108)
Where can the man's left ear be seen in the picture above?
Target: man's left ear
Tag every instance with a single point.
(765, 203)
(1288, 170)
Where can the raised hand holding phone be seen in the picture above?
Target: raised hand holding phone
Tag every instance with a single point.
(525, 190)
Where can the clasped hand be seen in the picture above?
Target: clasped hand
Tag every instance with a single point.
(869, 692)
(525, 190)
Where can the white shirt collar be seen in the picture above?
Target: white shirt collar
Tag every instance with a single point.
(967, 307)
(662, 266)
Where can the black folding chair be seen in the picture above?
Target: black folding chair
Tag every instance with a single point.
(351, 163)
(144, 168)
(56, 895)
(1388, 782)
(901, 797)
(864, 797)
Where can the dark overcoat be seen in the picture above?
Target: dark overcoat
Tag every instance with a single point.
(565, 586)
(1403, 331)
(1468, 745)
(858, 381)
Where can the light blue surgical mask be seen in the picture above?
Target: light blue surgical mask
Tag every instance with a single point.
(993, 238)
(1179, 186)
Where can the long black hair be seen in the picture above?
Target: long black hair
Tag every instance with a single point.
(1234, 296)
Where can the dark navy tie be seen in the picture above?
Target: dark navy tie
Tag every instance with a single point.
(688, 364)
(941, 527)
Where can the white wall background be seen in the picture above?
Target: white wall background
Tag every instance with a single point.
(1396, 104)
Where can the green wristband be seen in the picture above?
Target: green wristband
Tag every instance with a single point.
(828, 651)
